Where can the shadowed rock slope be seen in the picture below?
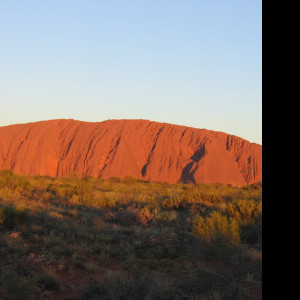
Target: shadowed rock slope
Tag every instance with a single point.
(140, 148)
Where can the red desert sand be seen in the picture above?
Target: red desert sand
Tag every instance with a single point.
(140, 148)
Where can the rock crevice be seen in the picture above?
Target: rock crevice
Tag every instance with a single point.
(140, 148)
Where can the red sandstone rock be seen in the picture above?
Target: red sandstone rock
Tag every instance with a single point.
(140, 148)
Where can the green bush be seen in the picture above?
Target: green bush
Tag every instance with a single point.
(219, 237)
(171, 203)
(11, 216)
(217, 229)
(248, 214)
(12, 181)
(244, 211)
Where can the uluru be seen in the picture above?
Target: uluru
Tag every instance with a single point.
(143, 149)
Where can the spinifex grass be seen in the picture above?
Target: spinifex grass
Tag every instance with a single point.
(128, 239)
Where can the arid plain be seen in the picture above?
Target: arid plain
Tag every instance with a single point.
(128, 209)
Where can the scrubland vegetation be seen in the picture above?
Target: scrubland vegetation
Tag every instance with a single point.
(71, 238)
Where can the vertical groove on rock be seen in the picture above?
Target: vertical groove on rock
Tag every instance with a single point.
(144, 169)
(140, 148)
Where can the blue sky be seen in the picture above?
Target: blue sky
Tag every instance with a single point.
(195, 63)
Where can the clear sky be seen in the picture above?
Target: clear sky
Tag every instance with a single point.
(194, 62)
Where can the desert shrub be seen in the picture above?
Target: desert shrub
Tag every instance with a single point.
(48, 280)
(12, 181)
(74, 200)
(131, 215)
(146, 215)
(99, 200)
(175, 202)
(251, 232)
(244, 211)
(65, 192)
(141, 215)
(37, 193)
(88, 178)
(110, 216)
(217, 229)
(46, 196)
(127, 217)
(16, 286)
(114, 179)
(84, 193)
(84, 189)
(8, 193)
(98, 223)
(166, 217)
(122, 285)
(132, 225)
(213, 198)
(129, 180)
(11, 216)
(219, 237)
(12, 185)
(248, 214)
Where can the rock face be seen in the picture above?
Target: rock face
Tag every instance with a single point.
(140, 148)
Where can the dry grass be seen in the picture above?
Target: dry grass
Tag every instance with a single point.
(128, 239)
